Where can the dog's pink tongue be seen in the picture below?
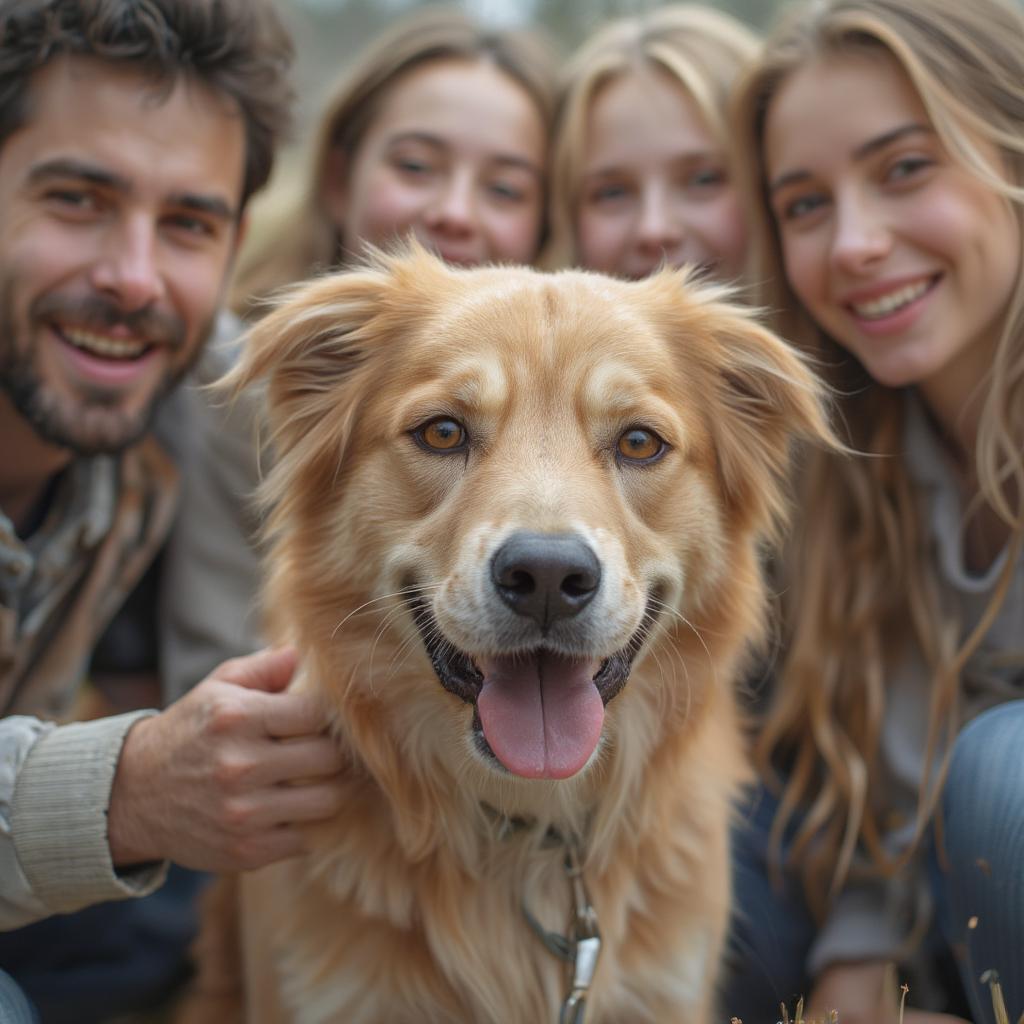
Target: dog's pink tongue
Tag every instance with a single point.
(541, 714)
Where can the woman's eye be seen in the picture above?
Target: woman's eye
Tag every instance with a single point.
(802, 206)
(412, 166)
(708, 177)
(507, 192)
(607, 193)
(441, 435)
(640, 445)
(907, 167)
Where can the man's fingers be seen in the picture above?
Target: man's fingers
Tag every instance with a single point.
(270, 670)
(274, 845)
(262, 815)
(267, 762)
(292, 761)
(302, 805)
(293, 714)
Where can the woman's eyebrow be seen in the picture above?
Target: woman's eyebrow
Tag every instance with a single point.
(518, 163)
(887, 138)
(438, 143)
(865, 149)
(426, 138)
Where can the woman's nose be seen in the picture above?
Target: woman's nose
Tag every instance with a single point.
(453, 208)
(861, 236)
(661, 226)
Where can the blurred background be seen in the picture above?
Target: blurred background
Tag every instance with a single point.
(329, 32)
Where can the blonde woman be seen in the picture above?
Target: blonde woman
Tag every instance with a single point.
(641, 163)
(440, 130)
(885, 145)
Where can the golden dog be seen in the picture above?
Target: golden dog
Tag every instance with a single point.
(516, 527)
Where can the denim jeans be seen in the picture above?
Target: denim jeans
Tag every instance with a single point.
(983, 879)
(14, 1007)
(772, 926)
(983, 807)
(107, 960)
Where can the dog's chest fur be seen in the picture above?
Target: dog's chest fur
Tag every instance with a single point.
(360, 933)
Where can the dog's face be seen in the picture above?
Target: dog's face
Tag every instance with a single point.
(527, 479)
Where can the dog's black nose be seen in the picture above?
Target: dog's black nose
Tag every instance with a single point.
(545, 576)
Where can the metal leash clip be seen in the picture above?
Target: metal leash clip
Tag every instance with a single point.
(586, 946)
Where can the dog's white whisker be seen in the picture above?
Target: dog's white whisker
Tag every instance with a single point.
(403, 651)
(381, 630)
(363, 608)
(664, 691)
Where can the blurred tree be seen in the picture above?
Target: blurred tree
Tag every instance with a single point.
(329, 32)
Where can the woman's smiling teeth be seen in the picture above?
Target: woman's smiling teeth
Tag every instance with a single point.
(886, 305)
(103, 345)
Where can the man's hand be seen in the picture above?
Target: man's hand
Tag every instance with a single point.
(221, 780)
(857, 992)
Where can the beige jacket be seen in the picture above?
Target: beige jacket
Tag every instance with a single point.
(59, 589)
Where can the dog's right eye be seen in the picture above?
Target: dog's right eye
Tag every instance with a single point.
(441, 435)
(639, 445)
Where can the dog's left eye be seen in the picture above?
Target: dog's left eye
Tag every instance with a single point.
(441, 435)
(640, 445)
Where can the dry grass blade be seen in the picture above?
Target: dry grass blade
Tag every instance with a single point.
(833, 1017)
(991, 978)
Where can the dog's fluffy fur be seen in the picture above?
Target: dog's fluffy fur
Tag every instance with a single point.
(409, 908)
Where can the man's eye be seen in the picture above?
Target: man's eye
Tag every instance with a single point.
(191, 225)
(73, 199)
(442, 435)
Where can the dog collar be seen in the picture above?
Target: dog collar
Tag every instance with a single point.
(582, 946)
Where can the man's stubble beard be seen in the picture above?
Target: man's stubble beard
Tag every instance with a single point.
(67, 427)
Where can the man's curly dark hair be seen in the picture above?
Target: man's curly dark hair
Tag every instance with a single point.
(237, 48)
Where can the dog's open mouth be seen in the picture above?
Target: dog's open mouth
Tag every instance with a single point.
(538, 713)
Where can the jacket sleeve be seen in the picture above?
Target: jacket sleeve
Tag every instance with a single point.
(211, 582)
(55, 784)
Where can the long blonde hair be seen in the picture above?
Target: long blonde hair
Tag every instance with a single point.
(702, 49)
(859, 584)
(299, 237)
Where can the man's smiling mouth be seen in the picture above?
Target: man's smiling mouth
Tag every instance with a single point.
(102, 346)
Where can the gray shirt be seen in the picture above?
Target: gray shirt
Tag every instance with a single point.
(872, 919)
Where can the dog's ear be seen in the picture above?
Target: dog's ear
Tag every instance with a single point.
(770, 399)
(306, 346)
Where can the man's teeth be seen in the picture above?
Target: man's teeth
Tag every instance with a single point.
(886, 304)
(101, 345)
